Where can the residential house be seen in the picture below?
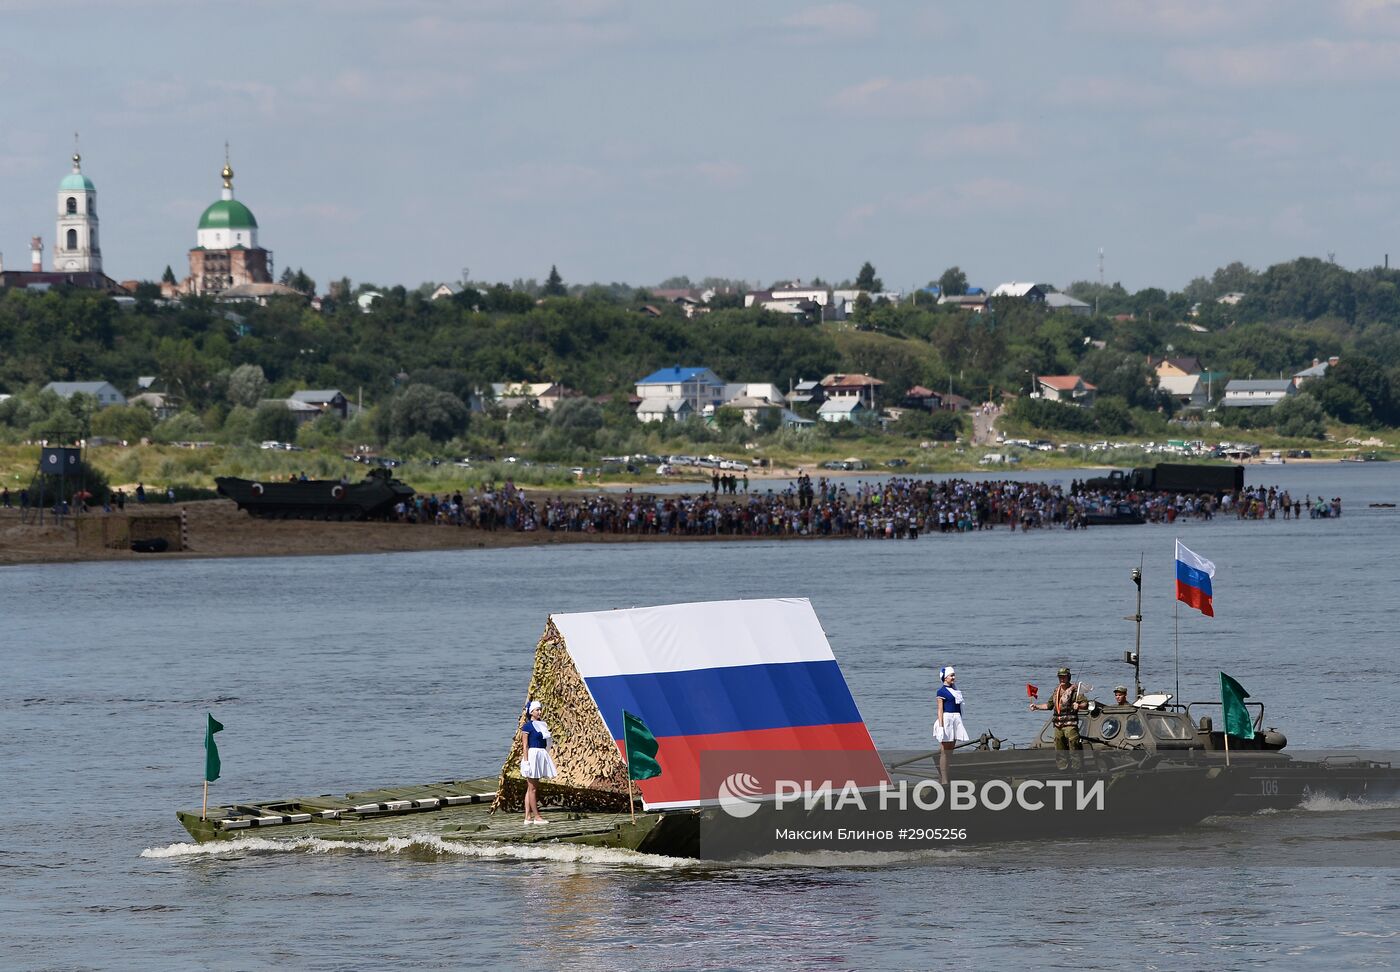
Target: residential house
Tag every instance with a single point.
(844, 301)
(861, 387)
(161, 405)
(977, 303)
(956, 403)
(1318, 370)
(924, 398)
(690, 301)
(792, 303)
(698, 388)
(797, 292)
(659, 409)
(1064, 302)
(325, 400)
(104, 391)
(807, 393)
(765, 390)
(1231, 299)
(1189, 391)
(445, 290)
(302, 412)
(841, 409)
(257, 292)
(1026, 291)
(1240, 393)
(756, 409)
(543, 395)
(1175, 367)
(1066, 388)
(794, 299)
(546, 400)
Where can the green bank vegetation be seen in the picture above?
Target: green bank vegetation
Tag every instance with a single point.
(421, 368)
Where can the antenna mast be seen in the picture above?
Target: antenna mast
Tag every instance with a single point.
(1100, 290)
(1134, 657)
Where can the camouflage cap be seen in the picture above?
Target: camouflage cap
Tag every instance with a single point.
(1120, 688)
(1063, 671)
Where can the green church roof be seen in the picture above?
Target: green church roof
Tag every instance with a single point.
(76, 182)
(228, 214)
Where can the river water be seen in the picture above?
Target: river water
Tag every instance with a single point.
(336, 674)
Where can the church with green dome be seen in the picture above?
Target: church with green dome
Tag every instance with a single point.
(226, 252)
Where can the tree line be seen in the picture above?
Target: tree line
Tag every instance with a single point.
(423, 363)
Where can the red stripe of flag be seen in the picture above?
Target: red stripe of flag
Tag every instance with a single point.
(806, 754)
(1194, 597)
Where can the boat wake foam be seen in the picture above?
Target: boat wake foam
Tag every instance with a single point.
(1322, 803)
(422, 845)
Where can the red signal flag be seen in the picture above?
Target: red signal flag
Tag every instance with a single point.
(1031, 691)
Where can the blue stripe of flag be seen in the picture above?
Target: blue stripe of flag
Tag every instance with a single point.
(732, 699)
(1192, 577)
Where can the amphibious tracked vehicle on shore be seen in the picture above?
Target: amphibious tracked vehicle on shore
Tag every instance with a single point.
(373, 498)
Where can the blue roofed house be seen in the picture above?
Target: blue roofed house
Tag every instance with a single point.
(678, 392)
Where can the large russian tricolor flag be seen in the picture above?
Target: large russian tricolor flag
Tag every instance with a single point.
(731, 676)
(1193, 574)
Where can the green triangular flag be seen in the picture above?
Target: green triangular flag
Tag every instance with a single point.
(641, 748)
(1232, 696)
(211, 750)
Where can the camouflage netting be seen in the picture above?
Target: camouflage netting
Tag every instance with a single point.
(592, 773)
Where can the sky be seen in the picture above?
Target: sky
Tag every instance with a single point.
(410, 141)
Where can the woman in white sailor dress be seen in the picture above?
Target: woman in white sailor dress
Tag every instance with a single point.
(536, 764)
(948, 730)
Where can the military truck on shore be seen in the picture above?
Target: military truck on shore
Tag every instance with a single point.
(1174, 477)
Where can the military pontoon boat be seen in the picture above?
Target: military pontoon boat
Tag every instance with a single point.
(766, 706)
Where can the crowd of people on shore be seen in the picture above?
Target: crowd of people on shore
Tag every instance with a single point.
(898, 508)
(82, 500)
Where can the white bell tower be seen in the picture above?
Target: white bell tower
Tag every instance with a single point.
(77, 249)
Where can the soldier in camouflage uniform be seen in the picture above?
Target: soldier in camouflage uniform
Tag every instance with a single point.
(1066, 701)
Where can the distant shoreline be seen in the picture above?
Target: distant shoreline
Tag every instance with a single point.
(217, 528)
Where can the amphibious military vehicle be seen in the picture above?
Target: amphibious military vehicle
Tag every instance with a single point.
(317, 499)
(1173, 477)
(1263, 776)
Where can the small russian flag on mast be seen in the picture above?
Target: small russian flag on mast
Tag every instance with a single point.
(1193, 575)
